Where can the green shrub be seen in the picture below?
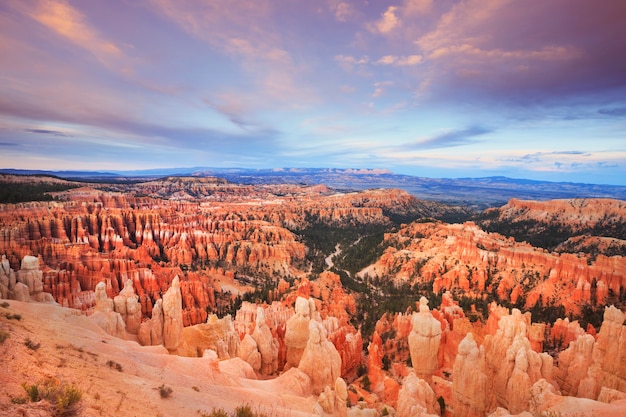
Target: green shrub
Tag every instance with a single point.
(32, 391)
(217, 412)
(244, 411)
(67, 401)
(64, 398)
(5, 304)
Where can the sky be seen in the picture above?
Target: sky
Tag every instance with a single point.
(438, 88)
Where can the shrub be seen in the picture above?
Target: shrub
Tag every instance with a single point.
(217, 412)
(365, 382)
(64, 398)
(442, 404)
(32, 391)
(17, 317)
(67, 401)
(4, 335)
(31, 345)
(164, 391)
(114, 365)
(5, 304)
(244, 411)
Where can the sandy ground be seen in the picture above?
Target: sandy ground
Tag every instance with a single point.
(74, 350)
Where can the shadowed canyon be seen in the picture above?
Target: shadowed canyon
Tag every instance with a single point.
(197, 295)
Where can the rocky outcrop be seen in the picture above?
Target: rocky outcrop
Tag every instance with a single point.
(297, 331)
(126, 303)
(266, 344)
(151, 331)
(172, 316)
(249, 352)
(333, 401)
(318, 351)
(424, 341)
(104, 315)
(470, 384)
(548, 223)
(7, 278)
(416, 398)
(501, 372)
(587, 366)
(463, 257)
(217, 335)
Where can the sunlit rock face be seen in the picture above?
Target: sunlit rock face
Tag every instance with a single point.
(104, 315)
(463, 257)
(172, 316)
(297, 331)
(500, 372)
(204, 230)
(320, 359)
(416, 398)
(588, 365)
(424, 341)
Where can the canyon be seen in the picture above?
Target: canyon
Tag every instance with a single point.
(212, 288)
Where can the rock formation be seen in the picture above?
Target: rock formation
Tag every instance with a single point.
(501, 372)
(104, 315)
(266, 344)
(465, 258)
(249, 352)
(151, 331)
(172, 316)
(333, 401)
(424, 341)
(126, 303)
(297, 331)
(470, 384)
(318, 351)
(217, 335)
(416, 398)
(587, 366)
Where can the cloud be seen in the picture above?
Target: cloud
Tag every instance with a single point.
(451, 139)
(541, 156)
(400, 61)
(341, 10)
(419, 7)
(616, 111)
(46, 132)
(69, 23)
(379, 87)
(518, 52)
(387, 22)
(348, 62)
(247, 32)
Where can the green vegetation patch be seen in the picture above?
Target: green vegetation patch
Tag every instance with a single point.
(11, 192)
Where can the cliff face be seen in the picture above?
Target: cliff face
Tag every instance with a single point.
(549, 224)
(464, 257)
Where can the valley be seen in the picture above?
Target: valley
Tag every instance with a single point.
(312, 298)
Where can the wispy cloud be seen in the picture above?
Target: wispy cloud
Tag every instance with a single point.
(68, 22)
(451, 139)
(616, 111)
(46, 132)
(400, 61)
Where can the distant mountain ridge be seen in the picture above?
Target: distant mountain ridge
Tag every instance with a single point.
(478, 193)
